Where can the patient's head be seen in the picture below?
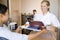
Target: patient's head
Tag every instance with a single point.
(34, 11)
(3, 14)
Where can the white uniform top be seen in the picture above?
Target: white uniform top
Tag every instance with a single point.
(47, 19)
(11, 35)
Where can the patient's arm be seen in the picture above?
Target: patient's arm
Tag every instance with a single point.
(31, 36)
(18, 30)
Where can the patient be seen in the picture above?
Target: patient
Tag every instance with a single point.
(6, 33)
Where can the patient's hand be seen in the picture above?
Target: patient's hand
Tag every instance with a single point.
(18, 30)
(26, 25)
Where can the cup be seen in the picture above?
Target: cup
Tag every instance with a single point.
(13, 26)
(48, 27)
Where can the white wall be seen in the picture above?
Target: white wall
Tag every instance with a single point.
(20, 6)
(59, 9)
(54, 7)
(28, 5)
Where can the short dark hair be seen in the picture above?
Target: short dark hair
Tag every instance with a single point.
(3, 9)
(34, 10)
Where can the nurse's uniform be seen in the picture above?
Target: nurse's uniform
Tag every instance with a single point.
(47, 19)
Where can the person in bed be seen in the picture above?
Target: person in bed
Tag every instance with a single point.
(6, 33)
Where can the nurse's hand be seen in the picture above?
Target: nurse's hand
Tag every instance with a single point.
(44, 29)
(54, 29)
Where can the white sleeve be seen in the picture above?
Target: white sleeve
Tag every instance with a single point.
(55, 21)
(34, 17)
(16, 36)
(24, 37)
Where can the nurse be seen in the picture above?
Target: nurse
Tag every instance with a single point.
(49, 19)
